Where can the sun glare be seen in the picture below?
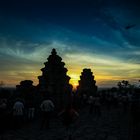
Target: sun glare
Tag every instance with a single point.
(74, 80)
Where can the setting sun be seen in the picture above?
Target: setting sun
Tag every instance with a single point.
(74, 79)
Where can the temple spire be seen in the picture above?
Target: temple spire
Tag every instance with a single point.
(87, 84)
(54, 79)
(53, 51)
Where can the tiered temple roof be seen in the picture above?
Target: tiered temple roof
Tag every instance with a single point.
(87, 84)
(54, 78)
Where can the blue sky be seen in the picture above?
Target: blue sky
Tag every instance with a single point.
(86, 34)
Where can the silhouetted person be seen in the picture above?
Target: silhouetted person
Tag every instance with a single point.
(91, 104)
(84, 99)
(125, 103)
(108, 101)
(97, 106)
(31, 109)
(47, 107)
(68, 116)
(135, 111)
(3, 109)
(18, 113)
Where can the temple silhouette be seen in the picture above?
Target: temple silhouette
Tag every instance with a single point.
(54, 79)
(54, 82)
(87, 84)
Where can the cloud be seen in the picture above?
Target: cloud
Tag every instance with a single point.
(120, 16)
(109, 60)
(106, 68)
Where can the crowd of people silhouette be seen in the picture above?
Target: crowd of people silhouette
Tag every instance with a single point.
(16, 112)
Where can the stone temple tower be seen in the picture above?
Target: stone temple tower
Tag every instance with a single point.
(87, 84)
(54, 80)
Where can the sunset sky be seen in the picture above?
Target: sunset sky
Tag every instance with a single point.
(103, 35)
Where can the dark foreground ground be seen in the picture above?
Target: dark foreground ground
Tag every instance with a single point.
(113, 124)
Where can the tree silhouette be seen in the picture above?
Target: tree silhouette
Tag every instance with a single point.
(123, 84)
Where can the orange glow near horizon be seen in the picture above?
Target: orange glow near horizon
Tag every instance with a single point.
(74, 80)
(101, 80)
(105, 75)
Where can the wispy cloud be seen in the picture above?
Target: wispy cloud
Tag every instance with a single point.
(109, 62)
